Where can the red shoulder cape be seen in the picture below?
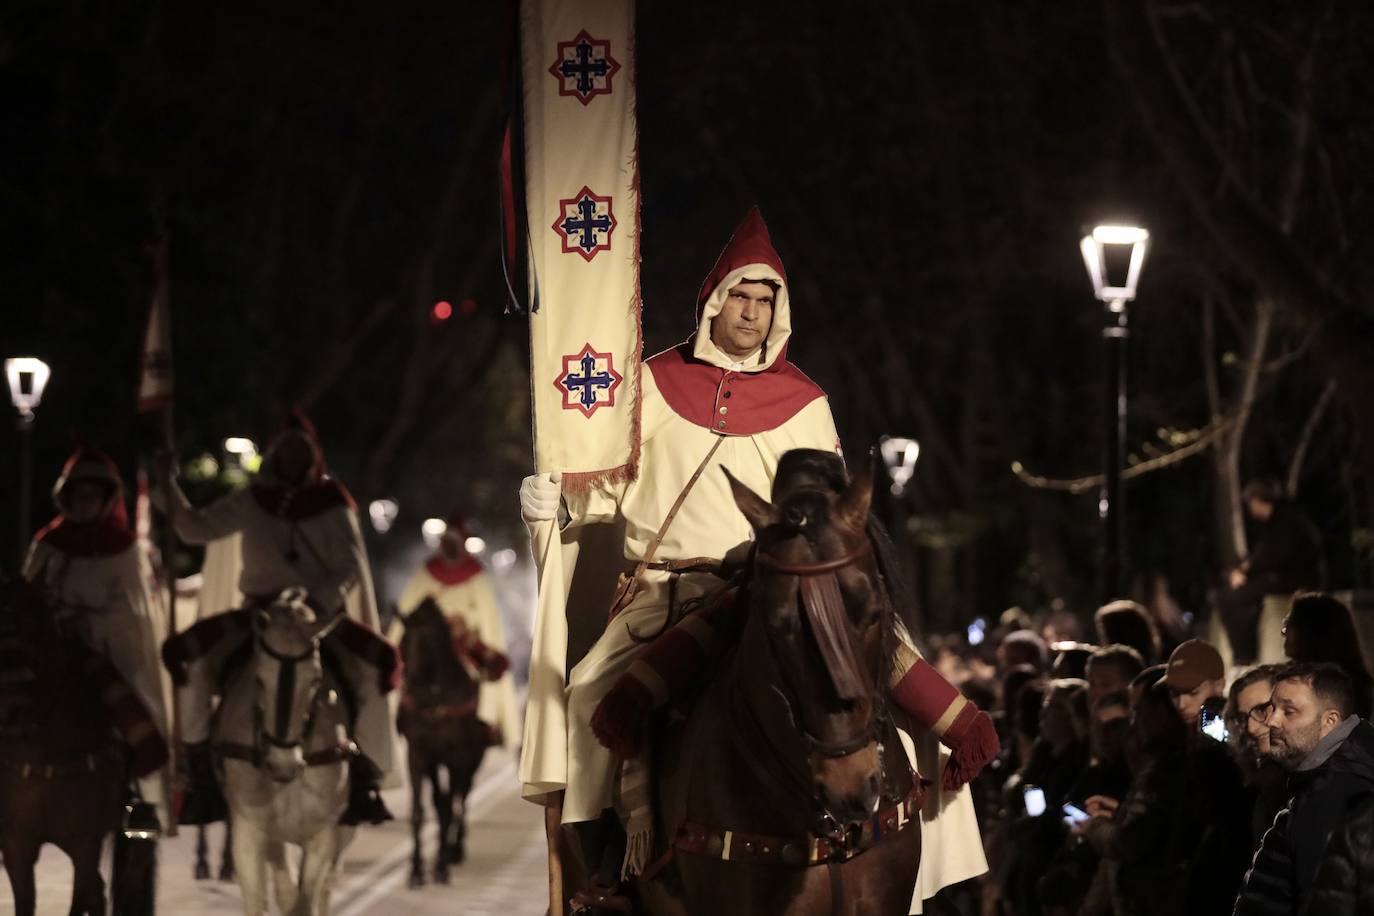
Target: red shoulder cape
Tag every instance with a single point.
(295, 504)
(97, 539)
(753, 402)
(455, 573)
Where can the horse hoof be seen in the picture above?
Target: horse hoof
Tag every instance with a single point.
(417, 880)
(228, 874)
(457, 855)
(202, 872)
(441, 876)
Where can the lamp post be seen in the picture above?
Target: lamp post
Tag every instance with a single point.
(899, 454)
(27, 378)
(383, 513)
(1114, 256)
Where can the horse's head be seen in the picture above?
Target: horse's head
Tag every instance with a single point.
(427, 653)
(817, 594)
(290, 678)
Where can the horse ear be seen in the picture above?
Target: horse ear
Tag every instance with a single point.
(858, 496)
(757, 510)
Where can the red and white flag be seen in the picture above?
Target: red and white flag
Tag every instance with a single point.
(582, 212)
(155, 376)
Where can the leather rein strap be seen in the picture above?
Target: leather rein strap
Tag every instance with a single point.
(629, 585)
(231, 750)
(815, 569)
(807, 851)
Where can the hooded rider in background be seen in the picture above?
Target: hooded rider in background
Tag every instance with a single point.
(298, 529)
(88, 563)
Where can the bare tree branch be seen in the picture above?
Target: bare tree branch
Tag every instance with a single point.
(1206, 439)
(1309, 429)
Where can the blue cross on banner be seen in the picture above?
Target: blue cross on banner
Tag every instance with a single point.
(588, 381)
(584, 67)
(585, 223)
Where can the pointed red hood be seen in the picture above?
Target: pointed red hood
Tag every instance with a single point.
(749, 245)
(700, 382)
(106, 536)
(457, 570)
(317, 494)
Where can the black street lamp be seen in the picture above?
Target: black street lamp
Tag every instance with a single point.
(27, 378)
(1114, 256)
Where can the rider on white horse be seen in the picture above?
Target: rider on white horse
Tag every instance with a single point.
(299, 529)
(88, 562)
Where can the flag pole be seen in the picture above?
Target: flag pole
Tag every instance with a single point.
(156, 391)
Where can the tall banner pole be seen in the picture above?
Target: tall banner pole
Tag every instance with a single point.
(155, 393)
(574, 140)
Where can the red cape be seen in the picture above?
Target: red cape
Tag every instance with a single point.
(754, 402)
(296, 503)
(452, 573)
(104, 538)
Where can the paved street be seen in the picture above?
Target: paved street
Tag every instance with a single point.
(504, 872)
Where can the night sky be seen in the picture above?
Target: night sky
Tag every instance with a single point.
(323, 177)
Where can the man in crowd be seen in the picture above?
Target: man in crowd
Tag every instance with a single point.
(1111, 670)
(1194, 674)
(1247, 721)
(1329, 754)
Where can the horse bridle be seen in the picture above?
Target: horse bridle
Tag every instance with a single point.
(811, 596)
(286, 689)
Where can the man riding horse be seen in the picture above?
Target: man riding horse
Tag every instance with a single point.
(87, 563)
(299, 529)
(726, 398)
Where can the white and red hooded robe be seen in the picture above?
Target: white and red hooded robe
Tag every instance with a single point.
(302, 535)
(305, 535)
(462, 589)
(694, 397)
(96, 572)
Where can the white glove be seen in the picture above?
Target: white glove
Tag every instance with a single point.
(540, 497)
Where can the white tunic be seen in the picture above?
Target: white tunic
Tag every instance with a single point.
(474, 602)
(323, 553)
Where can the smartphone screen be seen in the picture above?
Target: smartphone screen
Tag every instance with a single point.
(1035, 800)
(1074, 815)
(1211, 722)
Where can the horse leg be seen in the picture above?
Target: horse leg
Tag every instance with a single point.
(443, 808)
(417, 817)
(317, 871)
(19, 863)
(202, 868)
(226, 858)
(88, 888)
(459, 814)
(279, 872)
(250, 844)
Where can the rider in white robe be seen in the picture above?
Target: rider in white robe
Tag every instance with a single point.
(462, 588)
(297, 528)
(89, 564)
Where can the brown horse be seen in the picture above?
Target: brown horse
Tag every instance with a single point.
(786, 791)
(438, 718)
(63, 771)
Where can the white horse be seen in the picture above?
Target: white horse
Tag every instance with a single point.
(282, 733)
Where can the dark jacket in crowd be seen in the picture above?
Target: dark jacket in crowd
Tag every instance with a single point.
(1288, 556)
(1145, 847)
(1334, 780)
(1269, 795)
(1221, 810)
(1345, 883)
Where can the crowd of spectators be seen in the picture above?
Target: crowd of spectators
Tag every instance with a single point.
(1138, 775)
